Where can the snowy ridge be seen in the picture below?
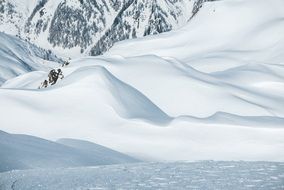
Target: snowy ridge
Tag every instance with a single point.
(126, 100)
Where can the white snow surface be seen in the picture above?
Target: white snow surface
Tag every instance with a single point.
(211, 90)
(175, 176)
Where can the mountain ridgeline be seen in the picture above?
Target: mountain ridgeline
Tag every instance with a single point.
(92, 27)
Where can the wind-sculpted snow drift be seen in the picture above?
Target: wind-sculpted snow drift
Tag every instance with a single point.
(212, 90)
(28, 152)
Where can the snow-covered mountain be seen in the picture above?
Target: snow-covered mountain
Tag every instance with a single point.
(212, 89)
(91, 27)
(28, 152)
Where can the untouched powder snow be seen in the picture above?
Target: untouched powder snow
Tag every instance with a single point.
(211, 90)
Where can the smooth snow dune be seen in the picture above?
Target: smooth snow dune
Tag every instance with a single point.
(27, 152)
(179, 89)
(83, 110)
(124, 99)
(175, 176)
(103, 88)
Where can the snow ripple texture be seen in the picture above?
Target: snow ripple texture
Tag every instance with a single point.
(179, 175)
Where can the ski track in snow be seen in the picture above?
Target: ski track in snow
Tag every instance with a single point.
(179, 175)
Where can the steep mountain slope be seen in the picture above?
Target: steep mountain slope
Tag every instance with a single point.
(221, 98)
(18, 56)
(73, 27)
(141, 18)
(27, 152)
(13, 14)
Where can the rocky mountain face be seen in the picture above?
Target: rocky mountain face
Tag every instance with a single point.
(73, 27)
